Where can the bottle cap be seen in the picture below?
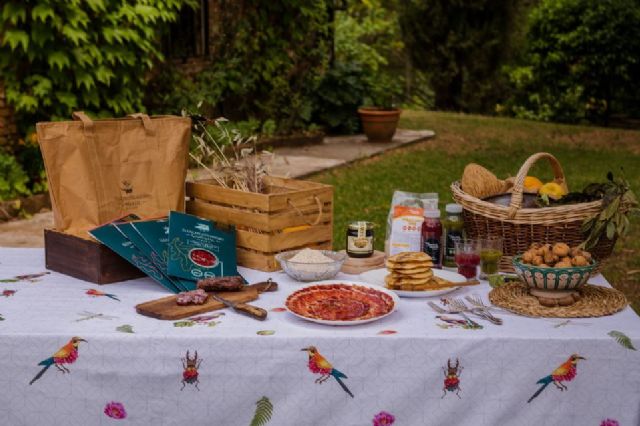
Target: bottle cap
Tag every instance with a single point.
(454, 208)
(432, 214)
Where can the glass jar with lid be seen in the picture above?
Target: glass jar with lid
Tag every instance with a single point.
(360, 239)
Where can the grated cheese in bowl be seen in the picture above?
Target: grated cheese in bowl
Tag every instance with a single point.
(311, 265)
(310, 256)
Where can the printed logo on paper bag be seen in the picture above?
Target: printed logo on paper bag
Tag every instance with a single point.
(126, 187)
(131, 201)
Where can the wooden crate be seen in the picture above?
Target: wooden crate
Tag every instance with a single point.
(292, 214)
(85, 259)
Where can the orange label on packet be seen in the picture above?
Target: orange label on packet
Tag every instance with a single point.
(399, 211)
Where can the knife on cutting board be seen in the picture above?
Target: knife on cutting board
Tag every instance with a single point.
(243, 308)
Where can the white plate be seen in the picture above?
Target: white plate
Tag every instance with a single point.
(376, 277)
(395, 298)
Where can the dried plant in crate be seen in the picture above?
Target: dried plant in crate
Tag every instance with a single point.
(227, 156)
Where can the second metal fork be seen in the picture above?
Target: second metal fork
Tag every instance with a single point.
(459, 304)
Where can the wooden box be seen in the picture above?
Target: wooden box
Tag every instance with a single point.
(291, 214)
(85, 259)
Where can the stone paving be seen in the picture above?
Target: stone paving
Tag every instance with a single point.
(295, 162)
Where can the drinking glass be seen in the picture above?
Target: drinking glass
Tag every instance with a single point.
(468, 258)
(490, 254)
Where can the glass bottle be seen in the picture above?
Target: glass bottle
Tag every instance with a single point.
(432, 236)
(453, 233)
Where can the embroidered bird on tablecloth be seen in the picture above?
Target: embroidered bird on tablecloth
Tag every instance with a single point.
(565, 373)
(319, 365)
(97, 293)
(68, 354)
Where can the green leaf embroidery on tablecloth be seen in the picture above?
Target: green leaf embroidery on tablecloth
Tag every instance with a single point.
(263, 413)
(622, 339)
(125, 328)
(266, 332)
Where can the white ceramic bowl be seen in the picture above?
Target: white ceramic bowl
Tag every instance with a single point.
(311, 271)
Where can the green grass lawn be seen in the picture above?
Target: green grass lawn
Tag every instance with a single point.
(363, 190)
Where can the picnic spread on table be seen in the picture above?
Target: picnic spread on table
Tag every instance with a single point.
(226, 303)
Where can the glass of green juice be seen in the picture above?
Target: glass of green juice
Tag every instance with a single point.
(490, 254)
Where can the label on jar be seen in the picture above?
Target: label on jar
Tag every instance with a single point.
(450, 247)
(432, 247)
(357, 244)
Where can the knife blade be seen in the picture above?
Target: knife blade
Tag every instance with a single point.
(243, 308)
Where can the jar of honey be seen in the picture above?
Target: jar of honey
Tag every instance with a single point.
(360, 239)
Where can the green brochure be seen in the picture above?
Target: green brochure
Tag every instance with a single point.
(197, 249)
(141, 244)
(113, 238)
(155, 234)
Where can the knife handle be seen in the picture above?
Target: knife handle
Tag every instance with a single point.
(250, 310)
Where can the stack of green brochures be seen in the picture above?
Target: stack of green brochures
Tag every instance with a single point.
(198, 249)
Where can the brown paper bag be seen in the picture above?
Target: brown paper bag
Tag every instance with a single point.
(100, 170)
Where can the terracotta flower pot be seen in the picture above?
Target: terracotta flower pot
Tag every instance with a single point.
(379, 124)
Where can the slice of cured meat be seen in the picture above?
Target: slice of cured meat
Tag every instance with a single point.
(340, 302)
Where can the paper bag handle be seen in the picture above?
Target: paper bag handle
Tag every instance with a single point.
(89, 136)
(146, 122)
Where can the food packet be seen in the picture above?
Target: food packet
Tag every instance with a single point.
(404, 222)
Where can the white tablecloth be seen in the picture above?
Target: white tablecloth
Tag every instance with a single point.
(399, 373)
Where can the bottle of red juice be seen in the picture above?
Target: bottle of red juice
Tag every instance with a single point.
(432, 236)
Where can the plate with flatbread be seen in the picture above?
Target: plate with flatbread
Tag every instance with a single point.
(434, 283)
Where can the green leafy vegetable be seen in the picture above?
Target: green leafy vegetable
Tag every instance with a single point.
(618, 201)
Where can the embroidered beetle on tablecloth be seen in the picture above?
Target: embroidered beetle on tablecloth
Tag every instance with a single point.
(190, 372)
(452, 378)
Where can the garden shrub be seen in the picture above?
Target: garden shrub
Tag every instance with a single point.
(582, 61)
(338, 97)
(57, 56)
(267, 63)
(461, 45)
(13, 179)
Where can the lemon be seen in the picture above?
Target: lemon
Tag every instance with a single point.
(532, 185)
(552, 190)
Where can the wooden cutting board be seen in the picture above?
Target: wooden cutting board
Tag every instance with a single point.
(355, 265)
(167, 308)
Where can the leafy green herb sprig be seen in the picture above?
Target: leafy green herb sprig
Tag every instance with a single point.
(618, 201)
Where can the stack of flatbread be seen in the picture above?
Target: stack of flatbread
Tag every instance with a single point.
(411, 271)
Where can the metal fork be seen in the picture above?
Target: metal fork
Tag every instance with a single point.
(477, 301)
(479, 312)
(441, 310)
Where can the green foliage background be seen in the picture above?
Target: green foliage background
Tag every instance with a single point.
(582, 61)
(57, 56)
(285, 66)
(268, 61)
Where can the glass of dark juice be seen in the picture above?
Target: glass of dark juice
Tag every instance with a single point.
(468, 258)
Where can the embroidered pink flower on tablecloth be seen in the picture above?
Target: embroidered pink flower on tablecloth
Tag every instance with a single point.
(115, 410)
(383, 419)
(609, 422)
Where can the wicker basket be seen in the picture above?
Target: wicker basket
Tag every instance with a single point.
(520, 227)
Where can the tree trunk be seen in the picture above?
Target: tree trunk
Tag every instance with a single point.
(447, 95)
